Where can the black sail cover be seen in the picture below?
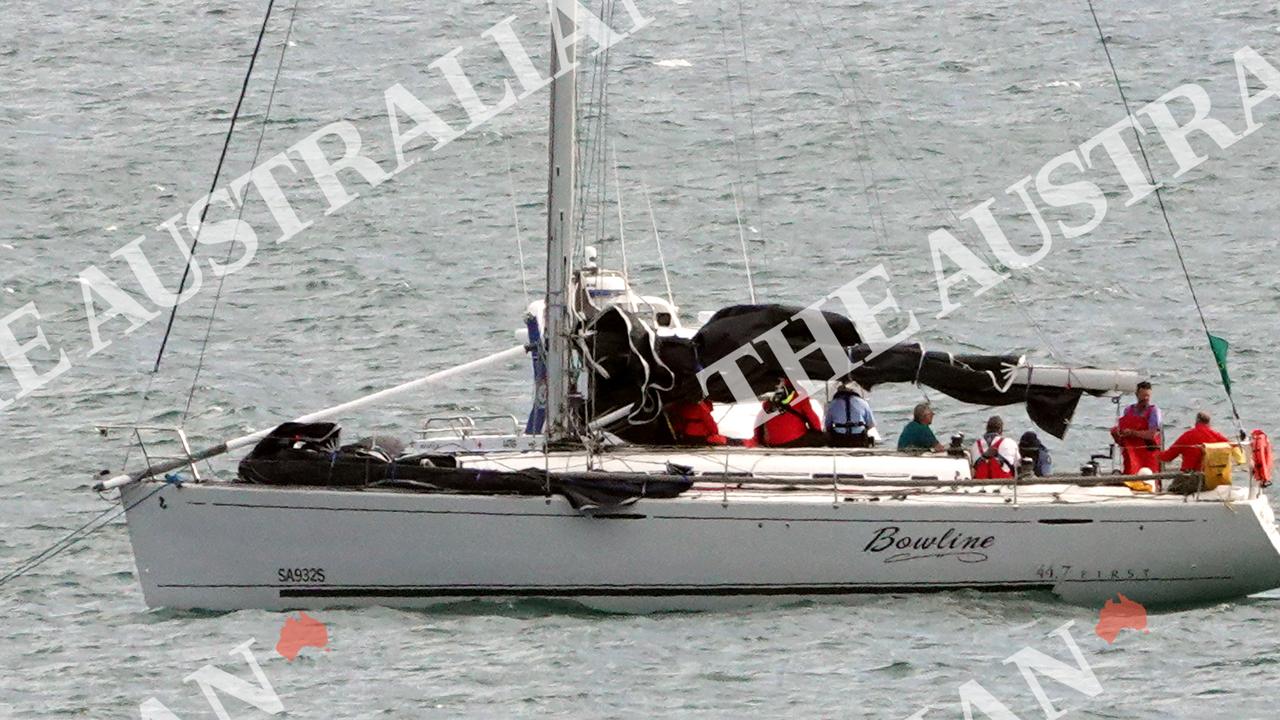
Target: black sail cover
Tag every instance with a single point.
(309, 454)
(632, 365)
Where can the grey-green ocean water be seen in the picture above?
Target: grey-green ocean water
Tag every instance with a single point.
(873, 123)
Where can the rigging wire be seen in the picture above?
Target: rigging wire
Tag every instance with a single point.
(733, 106)
(871, 189)
(257, 152)
(921, 182)
(580, 129)
(599, 152)
(592, 167)
(97, 523)
(515, 216)
(601, 149)
(737, 153)
(870, 183)
(592, 163)
(151, 376)
(1177, 246)
(657, 240)
(751, 118)
(217, 175)
(583, 127)
(742, 239)
(73, 538)
(622, 235)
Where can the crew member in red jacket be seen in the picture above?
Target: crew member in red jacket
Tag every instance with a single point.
(1190, 444)
(793, 423)
(1138, 433)
(692, 424)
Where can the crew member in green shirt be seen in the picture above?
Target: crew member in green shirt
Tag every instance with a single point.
(917, 435)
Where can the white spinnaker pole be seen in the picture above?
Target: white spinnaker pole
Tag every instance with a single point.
(367, 400)
(1095, 379)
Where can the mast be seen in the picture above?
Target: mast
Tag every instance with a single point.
(560, 200)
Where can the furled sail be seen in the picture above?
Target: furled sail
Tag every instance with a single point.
(975, 379)
(632, 365)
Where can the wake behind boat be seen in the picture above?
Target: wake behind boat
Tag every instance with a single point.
(599, 501)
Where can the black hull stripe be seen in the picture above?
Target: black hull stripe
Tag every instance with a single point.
(604, 591)
(252, 506)
(745, 518)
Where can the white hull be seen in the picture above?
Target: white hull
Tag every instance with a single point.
(232, 546)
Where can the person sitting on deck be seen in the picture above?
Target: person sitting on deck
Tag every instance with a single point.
(1030, 447)
(692, 424)
(1193, 445)
(788, 420)
(1138, 433)
(917, 435)
(1190, 444)
(849, 419)
(994, 455)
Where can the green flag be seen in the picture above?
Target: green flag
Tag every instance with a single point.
(1220, 347)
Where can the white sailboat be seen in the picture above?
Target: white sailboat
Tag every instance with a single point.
(577, 514)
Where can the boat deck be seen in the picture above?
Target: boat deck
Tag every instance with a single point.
(826, 475)
(1045, 494)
